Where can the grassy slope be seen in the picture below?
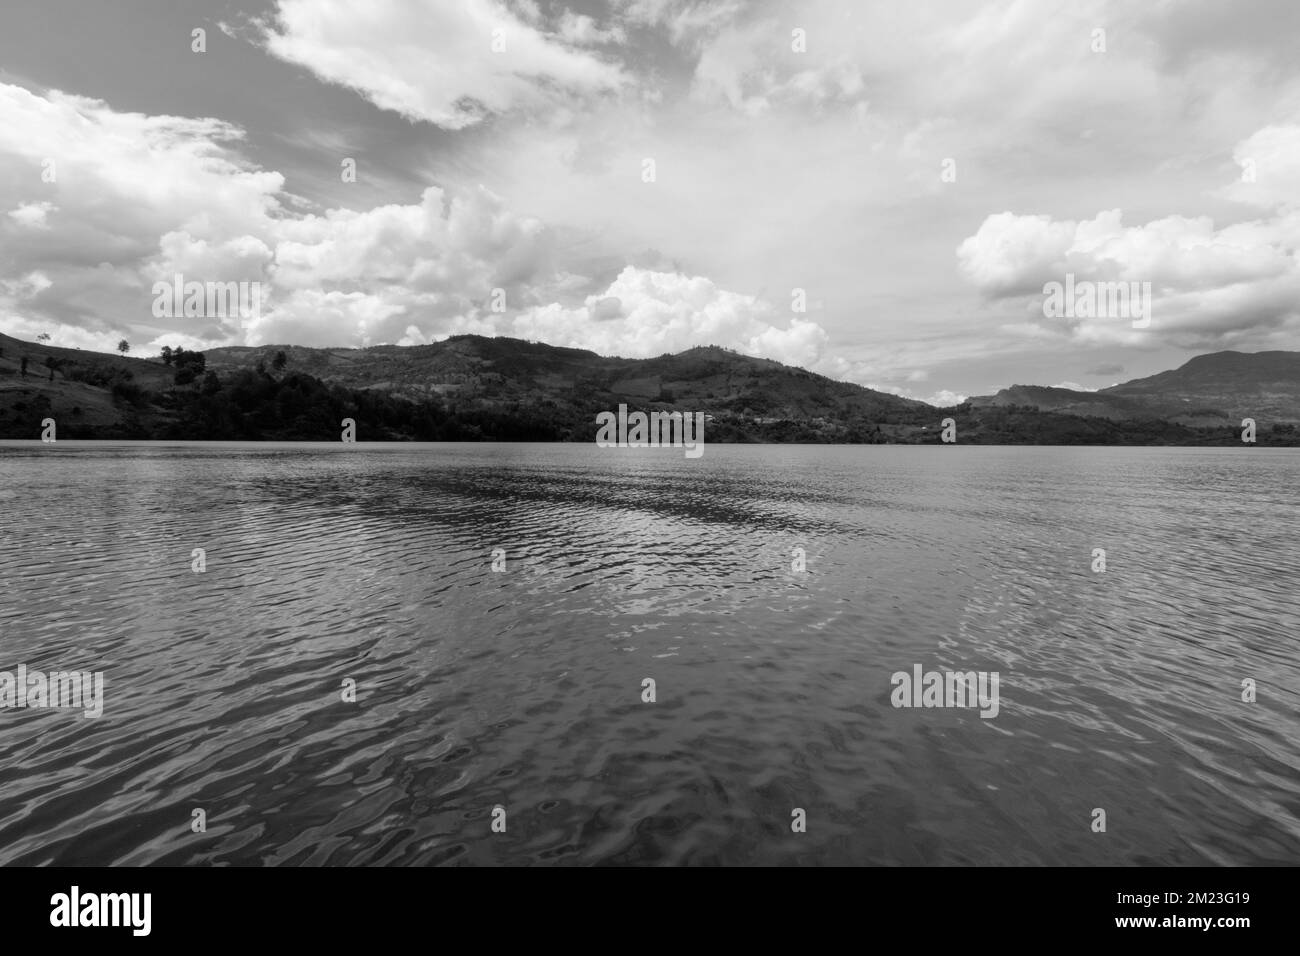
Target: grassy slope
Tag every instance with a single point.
(70, 402)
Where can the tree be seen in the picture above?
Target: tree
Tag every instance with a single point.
(189, 365)
(124, 346)
(43, 337)
(182, 358)
(24, 366)
(280, 361)
(166, 353)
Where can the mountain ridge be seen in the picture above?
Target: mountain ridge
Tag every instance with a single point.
(472, 387)
(1216, 388)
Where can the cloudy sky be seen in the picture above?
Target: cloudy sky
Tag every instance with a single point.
(918, 169)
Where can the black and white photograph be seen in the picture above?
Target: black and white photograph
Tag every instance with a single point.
(650, 433)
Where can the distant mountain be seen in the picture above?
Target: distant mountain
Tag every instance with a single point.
(471, 388)
(1260, 385)
(1217, 389)
(1064, 401)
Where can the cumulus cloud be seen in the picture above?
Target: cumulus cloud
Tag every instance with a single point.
(468, 241)
(32, 214)
(944, 398)
(318, 317)
(401, 272)
(644, 313)
(1211, 287)
(393, 273)
(142, 199)
(91, 191)
(1270, 167)
(384, 53)
(1010, 254)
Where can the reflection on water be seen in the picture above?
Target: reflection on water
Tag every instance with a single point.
(326, 563)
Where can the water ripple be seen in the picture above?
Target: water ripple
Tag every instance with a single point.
(331, 566)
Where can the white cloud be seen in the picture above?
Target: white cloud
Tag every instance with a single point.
(32, 284)
(582, 30)
(316, 317)
(1010, 253)
(645, 313)
(435, 61)
(753, 67)
(945, 398)
(1270, 167)
(687, 22)
(33, 214)
(141, 199)
(120, 183)
(1226, 287)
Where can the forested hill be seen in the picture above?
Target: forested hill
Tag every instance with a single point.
(474, 388)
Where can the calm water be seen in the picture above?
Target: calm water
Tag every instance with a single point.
(1118, 690)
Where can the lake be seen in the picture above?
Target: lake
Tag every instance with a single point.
(348, 680)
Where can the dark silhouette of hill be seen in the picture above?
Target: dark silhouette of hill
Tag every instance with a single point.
(471, 388)
(502, 371)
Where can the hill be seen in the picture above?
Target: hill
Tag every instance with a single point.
(471, 388)
(1235, 385)
(503, 371)
(1214, 390)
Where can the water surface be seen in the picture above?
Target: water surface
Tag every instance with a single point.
(1119, 690)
